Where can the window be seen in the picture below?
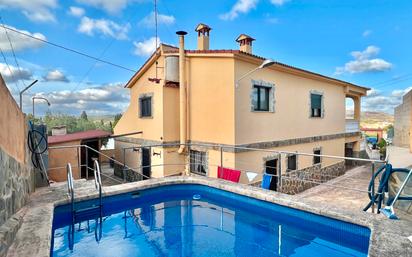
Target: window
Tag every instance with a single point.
(316, 159)
(316, 105)
(145, 106)
(260, 98)
(292, 162)
(198, 162)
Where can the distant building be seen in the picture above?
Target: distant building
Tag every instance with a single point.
(402, 122)
(280, 107)
(58, 158)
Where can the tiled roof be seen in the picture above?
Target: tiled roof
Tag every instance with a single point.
(222, 51)
(89, 134)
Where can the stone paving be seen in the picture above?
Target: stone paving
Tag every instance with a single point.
(334, 192)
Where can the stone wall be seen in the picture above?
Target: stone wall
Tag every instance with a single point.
(402, 122)
(131, 175)
(17, 178)
(16, 183)
(294, 182)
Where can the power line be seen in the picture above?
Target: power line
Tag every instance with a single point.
(92, 67)
(11, 73)
(12, 50)
(70, 49)
(393, 81)
(100, 56)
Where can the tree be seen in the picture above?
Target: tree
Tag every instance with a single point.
(117, 117)
(83, 115)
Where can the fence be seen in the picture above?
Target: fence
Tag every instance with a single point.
(288, 172)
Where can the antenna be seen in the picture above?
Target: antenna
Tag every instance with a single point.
(155, 14)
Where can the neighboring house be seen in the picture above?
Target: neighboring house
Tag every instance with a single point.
(402, 122)
(62, 150)
(279, 107)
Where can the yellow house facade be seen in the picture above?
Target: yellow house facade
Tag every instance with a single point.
(207, 101)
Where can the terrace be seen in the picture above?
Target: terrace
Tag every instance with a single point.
(339, 197)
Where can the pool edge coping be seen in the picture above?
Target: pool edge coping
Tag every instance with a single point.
(386, 238)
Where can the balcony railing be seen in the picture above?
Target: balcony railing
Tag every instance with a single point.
(352, 126)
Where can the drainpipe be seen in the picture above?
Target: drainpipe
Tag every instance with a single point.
(182, 90)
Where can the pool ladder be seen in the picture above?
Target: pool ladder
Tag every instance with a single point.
(79, 214)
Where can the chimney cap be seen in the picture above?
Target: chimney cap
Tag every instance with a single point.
(242, 37)
(181, 33)
(202, 28)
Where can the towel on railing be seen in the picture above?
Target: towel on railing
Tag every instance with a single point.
(228, 174)
(266, 181)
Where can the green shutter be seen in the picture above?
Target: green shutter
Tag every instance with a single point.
(316, 101)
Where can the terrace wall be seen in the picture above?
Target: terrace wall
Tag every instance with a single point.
(403, 121)
(17, 178)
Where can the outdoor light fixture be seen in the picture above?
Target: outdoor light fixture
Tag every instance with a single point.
(24, 90)
(266, 63)
(39, 98)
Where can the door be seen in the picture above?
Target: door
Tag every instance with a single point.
(271, 168)
(146, 169)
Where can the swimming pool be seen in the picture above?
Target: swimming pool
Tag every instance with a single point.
(197, 220)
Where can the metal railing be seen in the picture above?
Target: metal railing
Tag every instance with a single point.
(223, 161)
(70, 189)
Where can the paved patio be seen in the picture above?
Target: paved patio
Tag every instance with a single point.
(347, 191)
(337, 192)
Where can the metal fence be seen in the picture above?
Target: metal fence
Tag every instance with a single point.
(253, 164)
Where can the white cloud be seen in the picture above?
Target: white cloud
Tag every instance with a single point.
(20, 42)
(35, 10)
(367, 33)
(76, 11)
(105, 27)
(55, 75)
(149, 20)
(97, 100)
(146, 47)
(363, 62)
(240, 7)
(110, 6)
(376, 100)
(14, 74)
(279, 2)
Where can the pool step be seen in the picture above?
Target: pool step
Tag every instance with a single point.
(86, 213)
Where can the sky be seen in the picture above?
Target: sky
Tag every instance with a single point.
(364, 42)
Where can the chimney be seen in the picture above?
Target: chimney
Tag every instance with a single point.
(245, 42)
(182, 90)
(59, 130)
(203, 36)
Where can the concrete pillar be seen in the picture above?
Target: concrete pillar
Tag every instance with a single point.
(357, 107)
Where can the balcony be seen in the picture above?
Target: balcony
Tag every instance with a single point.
(352, 125)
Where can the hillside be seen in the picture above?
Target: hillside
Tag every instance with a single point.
(376, 119)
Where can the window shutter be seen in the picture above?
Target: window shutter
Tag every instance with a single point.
(316, 101)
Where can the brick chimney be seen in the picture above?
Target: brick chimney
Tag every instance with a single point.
(245, 42)
(203, 36)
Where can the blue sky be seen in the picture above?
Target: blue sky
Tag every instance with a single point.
(363, 42)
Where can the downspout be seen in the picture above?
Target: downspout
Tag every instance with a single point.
(182, 91)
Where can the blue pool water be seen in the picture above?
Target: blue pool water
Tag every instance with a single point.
(194, 220)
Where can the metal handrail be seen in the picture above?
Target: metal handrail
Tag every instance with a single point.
(98, 186)
(94, 150)
(70, 189)
(389, 210)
